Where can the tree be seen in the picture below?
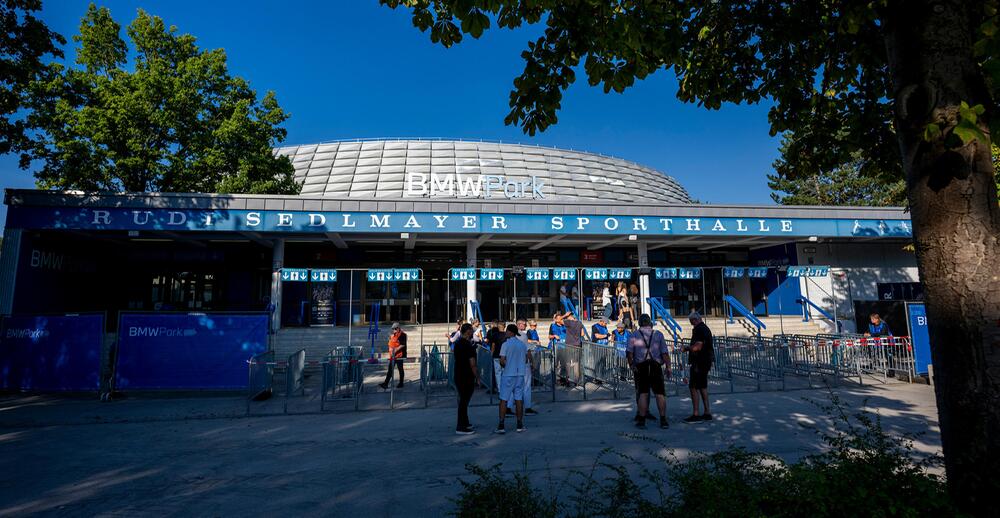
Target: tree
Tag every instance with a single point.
(24, 44)
(845, 184)
(173, 119)
(835, 73)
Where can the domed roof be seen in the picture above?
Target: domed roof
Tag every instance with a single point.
(405, 169)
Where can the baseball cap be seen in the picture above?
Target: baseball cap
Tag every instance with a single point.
(395, 325)
(512, 328)
(621, 325)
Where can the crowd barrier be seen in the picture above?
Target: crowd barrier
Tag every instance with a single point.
(295, 375)
(52, 353)
(561, 372)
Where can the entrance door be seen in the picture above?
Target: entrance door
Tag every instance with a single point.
(435, 299)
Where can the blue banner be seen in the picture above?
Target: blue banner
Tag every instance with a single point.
(620, 274)
(808, 271)
(917, 317)
(321, 222)
(564, 274)
(537, 274)
(491, 274)
(666, 273)
(757, 272)
(294, 274)
(733, 272)
(595, 274)
(187, 351)
(393, 274)
(689, 273)
(323, 275)
(463, 274)
(51, 353)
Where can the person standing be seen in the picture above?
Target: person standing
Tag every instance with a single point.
(522, 328)
(574, 337)
(397, 351)
(456, 334)
(879, 329)
(648, 356)
(606, 300)
(701, 355)
(532, 334)
(557, 331)
(599, 332)
(514, 357)
(466, 377)
(634, 301)
(495, 339)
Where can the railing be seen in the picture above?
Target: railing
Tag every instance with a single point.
(663, 315)
(732, 303)
(806, 304)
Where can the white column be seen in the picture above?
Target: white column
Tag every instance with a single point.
(470, 285)
(644, 278)
(277, 262)
(9, 255)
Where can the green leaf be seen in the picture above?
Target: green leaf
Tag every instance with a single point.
(932, 132)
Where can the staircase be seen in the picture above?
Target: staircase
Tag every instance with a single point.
(792, 325)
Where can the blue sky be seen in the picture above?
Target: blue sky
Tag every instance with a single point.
(352, 68)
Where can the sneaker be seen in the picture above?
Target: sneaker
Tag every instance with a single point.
(637, 418)
(706, 417)
(520, 427)
(692, 419)
(663, 423)
(464, 431)
(385, 386)
(500, 430)
(531, 411)
(400, 385)
(640, 424)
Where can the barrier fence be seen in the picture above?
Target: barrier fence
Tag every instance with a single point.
(593, 370)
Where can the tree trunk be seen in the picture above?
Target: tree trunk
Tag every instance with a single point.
(956, 228)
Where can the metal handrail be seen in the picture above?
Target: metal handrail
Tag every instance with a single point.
(665, 316)
(742, 310)
(805, 313)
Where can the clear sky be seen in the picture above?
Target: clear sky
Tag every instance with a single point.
(352, 68)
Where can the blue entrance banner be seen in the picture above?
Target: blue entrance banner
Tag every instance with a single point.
(689, 273)
(733, 272)
(323, 275)
(294, 274)
(217, 220)
(808, 271)
(564, 274)
(491, 274)
(393, 274)
(666, 273)
(51, 353)
(619, 274)
(187, 351)
(757, 272)
(536, 274)
(916, 315)
(595, 274)
(463, 274)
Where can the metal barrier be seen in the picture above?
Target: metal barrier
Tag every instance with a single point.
(568, 372)
(543, 370)
(260, 371)
(295, 375)
(341, 375)
(437, 373)
(601, 368)
(755, 358)
(485, 368)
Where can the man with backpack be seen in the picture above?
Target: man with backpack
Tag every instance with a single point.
(648, 356)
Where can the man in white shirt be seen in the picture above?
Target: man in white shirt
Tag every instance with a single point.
(514, 357)
(522, 327)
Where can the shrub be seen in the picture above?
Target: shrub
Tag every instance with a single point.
(863, 471)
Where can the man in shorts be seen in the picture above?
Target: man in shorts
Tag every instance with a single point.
(514, 357)
(522, 327)
(701, 355)
(648, 355)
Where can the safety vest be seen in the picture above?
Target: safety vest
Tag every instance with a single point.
(394, 349)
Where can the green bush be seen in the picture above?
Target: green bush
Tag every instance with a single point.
(863, 471)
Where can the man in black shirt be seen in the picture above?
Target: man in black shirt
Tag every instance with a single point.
(466, 377)
(701, 355)
(495, 338)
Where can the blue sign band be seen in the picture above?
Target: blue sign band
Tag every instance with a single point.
(216, 220)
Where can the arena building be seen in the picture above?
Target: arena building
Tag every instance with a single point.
(414, 230)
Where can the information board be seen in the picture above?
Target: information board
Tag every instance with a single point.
(537, 274)
(491, 274)
(463, 274)
(595, 274)
(564, 274)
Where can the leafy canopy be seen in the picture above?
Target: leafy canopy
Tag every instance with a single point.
(822, 65)
(25, 42)
(172, 119)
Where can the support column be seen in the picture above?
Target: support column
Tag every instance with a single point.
(644, 278)
(470, 285)
(10, 252)
(277, 262)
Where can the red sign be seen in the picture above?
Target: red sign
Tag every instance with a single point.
(592, 257)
